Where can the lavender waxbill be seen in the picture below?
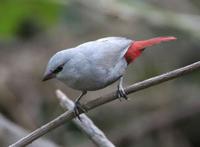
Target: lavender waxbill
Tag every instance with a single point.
(97, 64)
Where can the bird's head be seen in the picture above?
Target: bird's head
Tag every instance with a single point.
(55, 65)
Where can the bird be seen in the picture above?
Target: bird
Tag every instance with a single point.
(96, 64)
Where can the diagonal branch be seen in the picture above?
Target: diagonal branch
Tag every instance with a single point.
(86, 124)
(105, 99)
(11, 132)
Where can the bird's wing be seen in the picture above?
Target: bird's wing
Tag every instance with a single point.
(105, 52)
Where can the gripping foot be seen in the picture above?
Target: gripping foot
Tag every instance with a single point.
(120, 90)
(78, 109)
(77, 106)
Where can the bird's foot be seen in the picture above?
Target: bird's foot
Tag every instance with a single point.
(78, 109)
(121, 93)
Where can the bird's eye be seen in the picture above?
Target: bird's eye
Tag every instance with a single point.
(58, 69)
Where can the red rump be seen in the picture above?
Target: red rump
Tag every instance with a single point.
(137, 47)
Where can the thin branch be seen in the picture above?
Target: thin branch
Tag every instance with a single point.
(11, 132)
(105, 99)
(86, 125)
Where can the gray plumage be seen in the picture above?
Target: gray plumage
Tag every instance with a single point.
(92, 65)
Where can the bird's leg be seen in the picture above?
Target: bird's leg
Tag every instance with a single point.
(77, 106)
(120, 89)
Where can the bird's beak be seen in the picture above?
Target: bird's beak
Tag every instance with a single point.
(48, 76)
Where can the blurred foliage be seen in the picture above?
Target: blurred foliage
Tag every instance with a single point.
(32, 13)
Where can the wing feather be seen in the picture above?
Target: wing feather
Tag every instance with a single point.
(105, 52)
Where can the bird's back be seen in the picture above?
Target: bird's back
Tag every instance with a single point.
(105, 52)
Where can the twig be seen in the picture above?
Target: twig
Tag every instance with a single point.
(86, 125)
(11, 132)
(105, 99)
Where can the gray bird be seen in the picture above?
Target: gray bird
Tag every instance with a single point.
(97, 64)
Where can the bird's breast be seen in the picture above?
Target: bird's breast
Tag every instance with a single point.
(82, 74)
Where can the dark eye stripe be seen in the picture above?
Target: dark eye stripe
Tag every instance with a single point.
(58, 69)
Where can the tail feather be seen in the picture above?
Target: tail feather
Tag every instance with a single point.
(147, 43)
(137, 47)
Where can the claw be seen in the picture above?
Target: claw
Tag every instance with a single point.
(78, 109)
(121, 93)
(120, 90)
(77, 106)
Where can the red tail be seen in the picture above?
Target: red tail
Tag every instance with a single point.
(137, 47)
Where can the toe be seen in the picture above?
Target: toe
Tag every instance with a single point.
(121, 93)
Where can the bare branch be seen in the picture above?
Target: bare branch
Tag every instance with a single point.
(11, 132)
(86, 125)
(105, 99)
